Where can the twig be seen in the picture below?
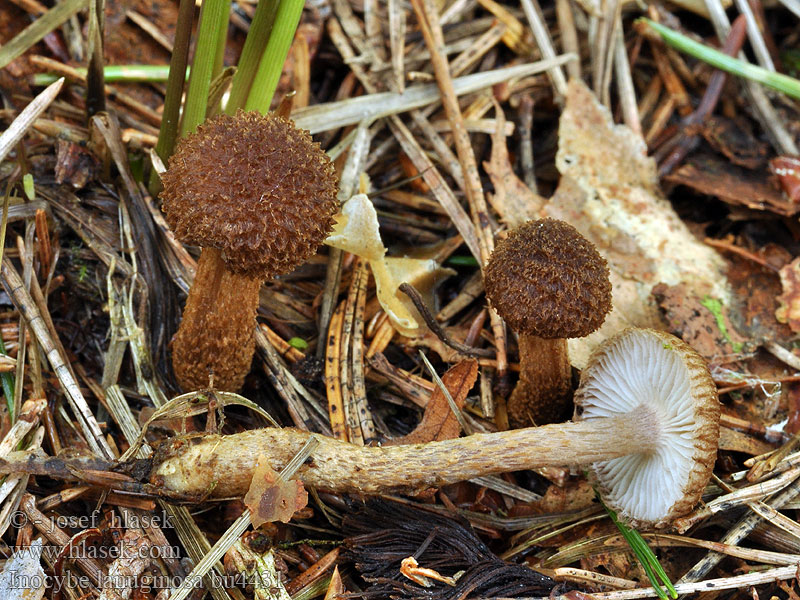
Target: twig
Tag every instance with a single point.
(627, 94)
(783, 354)
(723, 583)
(792, 5)
(737, 533)
(603, 49)
(686, 141)
(73, 74)
(569, 36)
(763, 109)
(17, 130)
(303, 408)
(754, 35)
(397, 32)
(436, 328)
(53, 18)
(526, 143)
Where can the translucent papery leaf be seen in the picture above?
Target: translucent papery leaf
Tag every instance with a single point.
(357, 231)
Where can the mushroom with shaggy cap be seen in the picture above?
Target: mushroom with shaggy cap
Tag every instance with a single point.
(548, 283)
(647, 419)
(259, 196)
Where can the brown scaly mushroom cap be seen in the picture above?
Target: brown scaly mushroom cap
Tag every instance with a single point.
(546, 279)
(644, 369)
(253, 186)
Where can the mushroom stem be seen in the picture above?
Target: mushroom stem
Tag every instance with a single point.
(544, 391)
(216, 335)
(223, 466)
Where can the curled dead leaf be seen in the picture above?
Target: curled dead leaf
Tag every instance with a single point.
(439, 422)
(356, 231)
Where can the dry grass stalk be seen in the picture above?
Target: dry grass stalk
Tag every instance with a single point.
(569, 36)
(533, 13)
(26, 305)
(432, 32)
(764, 111)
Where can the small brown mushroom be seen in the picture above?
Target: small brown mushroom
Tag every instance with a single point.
(259, 196)
(549, 283)
(648, 420)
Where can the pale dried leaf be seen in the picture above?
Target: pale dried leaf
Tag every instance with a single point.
(357, 231)
(609, 191)
(272, 498)
(24, 566)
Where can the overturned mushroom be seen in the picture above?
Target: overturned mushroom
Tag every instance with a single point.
(259, 196)
(648, 421)
(548, 283)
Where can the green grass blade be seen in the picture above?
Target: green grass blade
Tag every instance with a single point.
(254, 45)
(206, 55)
(178, 68)
(271, 65)
(783, 83)
(655, 572)
(53, 18)
(118, 73)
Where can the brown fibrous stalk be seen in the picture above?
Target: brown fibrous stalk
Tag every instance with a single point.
(223, 466)
(216, 336)
(549, 283)
(259, 196)
(544, 391)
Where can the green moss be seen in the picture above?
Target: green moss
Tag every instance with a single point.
(715, 307)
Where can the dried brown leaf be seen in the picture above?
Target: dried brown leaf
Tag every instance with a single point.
(439, 422)
(734, 139)
(272, 498)
(755, 289)
(734, 185)
(512, 199)
(708, 331)
(336, 587)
